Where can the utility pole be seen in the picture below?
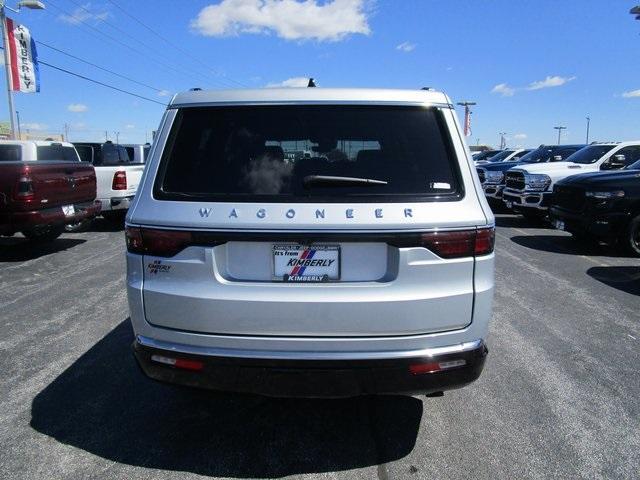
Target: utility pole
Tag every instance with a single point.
(588, 122)
(106, 136)
(467, 116)
(503, 142)
(7, 71)
(18, 125)
(66, 132)
(117, 135)
(559, 128)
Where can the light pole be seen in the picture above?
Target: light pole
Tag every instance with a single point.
(34, 5)
(503, 142)
(588, 123)
(559, 128)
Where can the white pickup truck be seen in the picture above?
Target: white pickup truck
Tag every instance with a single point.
(117, 175)
(529, 189)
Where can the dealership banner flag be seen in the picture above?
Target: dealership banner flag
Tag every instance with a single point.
(25, 76)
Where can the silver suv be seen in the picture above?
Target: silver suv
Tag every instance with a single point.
(311, 242)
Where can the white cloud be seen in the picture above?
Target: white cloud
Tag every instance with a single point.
(291, 82)
(550, 81)
(84, 14)
(504, 90)
(406, 47)
(631, 94)
(77, 107)
(34, 126)
(130, 126)
(164, 93)
(330, 20)
(520, 136)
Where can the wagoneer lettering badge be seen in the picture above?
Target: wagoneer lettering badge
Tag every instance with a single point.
(290, 213)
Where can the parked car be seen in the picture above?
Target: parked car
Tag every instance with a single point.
(39, 196)
(137, 152)
(492, 175)
(529, 190)
(118, 176)
(603, 205)
(503, 156)
(317, 277)
(480, 156)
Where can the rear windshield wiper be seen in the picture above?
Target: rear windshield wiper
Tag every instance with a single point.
(330, 181)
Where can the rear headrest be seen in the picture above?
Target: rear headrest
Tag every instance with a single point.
(365, 156)
(273, 152)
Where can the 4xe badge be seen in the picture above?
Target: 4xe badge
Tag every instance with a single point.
(157, 267)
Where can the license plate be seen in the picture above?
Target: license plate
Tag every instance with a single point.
(509, 203)
(559, 224)
(299, 263)
(68, 210)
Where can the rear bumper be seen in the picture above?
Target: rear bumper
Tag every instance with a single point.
(527, 200)
(606, 224)
(328, 374)
(11, 223)
(116, 203)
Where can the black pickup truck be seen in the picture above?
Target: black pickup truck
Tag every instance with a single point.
(600, 205)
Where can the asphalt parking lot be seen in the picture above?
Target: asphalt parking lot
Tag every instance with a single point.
(558, 397)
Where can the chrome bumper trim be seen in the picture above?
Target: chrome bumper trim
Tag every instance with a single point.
(302, 355)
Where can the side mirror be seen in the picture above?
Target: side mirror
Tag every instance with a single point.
(614, 163)
(557, 158)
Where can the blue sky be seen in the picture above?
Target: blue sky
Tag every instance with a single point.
(529, 65)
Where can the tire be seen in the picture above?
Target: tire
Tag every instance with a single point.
(44, 234)
(115, 217)
(81, 226)
(529, 215)
(630, 240)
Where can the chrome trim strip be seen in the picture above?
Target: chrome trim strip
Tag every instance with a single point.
(302, 355)
(311, 102)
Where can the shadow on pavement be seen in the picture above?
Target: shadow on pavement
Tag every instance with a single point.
(518, 221)
(564, 244)
(626, 279)
(18, 249)
(104, 405)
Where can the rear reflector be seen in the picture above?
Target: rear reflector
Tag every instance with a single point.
(119, 180)
(182, 363)
(432, 367)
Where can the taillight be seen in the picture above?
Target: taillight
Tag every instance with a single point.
(458, 244)
(119, 180)
(24, 189)
(158, 243)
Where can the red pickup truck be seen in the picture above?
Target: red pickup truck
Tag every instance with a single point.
(39, 197)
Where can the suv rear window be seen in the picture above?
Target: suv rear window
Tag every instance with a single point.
(57, 152)
(284, 153)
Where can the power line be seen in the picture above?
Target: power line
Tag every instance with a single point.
(159, 90)
(115, 40)
(126, 33)
(98, 82)
(181, 50)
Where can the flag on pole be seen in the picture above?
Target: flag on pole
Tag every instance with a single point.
(467, 121)
(23, 56)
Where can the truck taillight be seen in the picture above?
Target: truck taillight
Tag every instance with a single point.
(24, 189)
(462, 243)
(119, 180)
